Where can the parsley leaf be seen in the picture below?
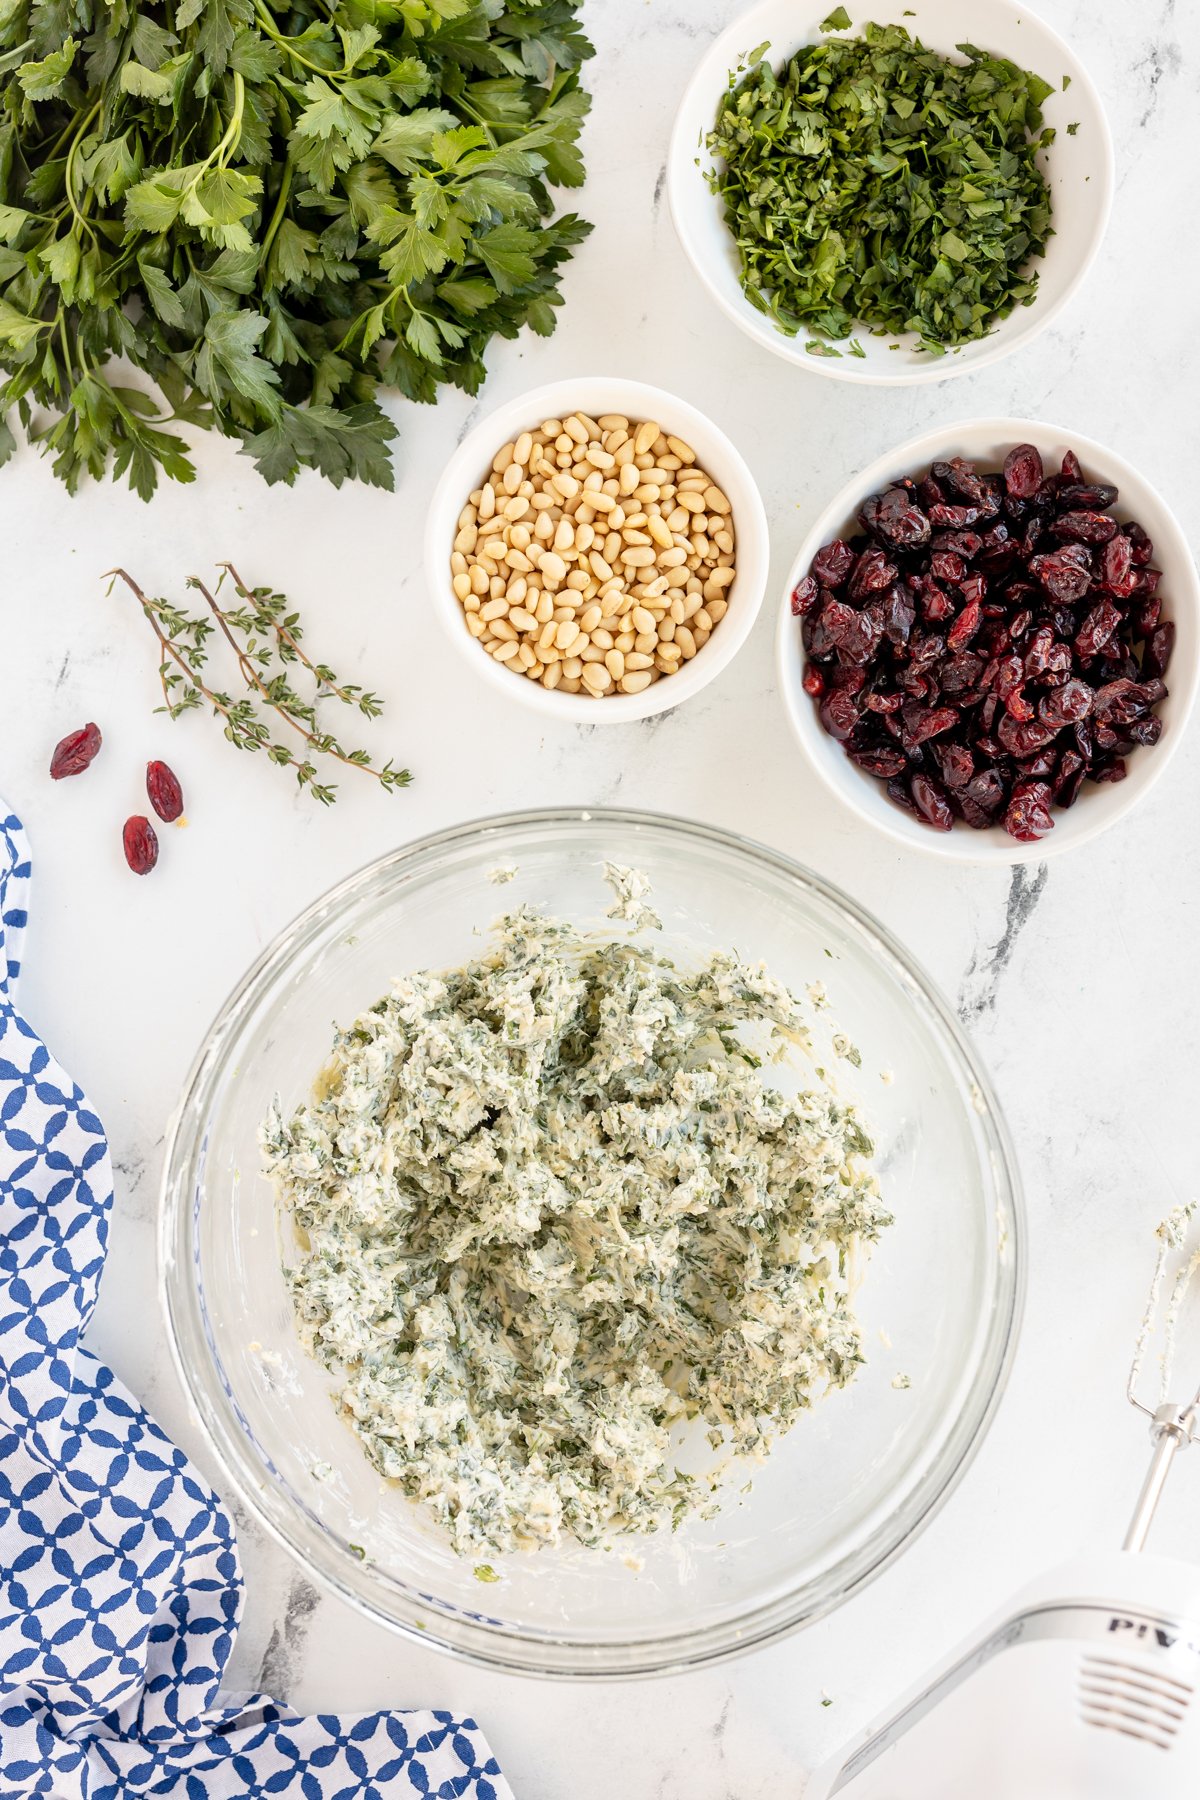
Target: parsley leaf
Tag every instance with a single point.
(272, 213)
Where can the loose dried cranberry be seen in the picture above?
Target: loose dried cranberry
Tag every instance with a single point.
(1037, 651)
(1023, 471)
(1058, 665)
(1145, 731)
(1085, 527)
(899, 614)
(166, 795)
(141, 845)
(973, 589)
(1157, 654)
(1112, 770)
(961, 673)
(814, 682)
(805, 595)
(932, 805)
(76, 752)
(851, 677)
(1070, 470)
(833, 563)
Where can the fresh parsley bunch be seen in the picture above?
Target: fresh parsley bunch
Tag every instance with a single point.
(270, 209)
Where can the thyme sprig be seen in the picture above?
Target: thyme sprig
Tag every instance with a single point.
(264, 637)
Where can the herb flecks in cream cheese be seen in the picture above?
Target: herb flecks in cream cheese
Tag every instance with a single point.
(551, 1209)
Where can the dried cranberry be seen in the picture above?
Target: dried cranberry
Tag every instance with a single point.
(1061, 575)
(964, 627)
(1085, 527)
(1112, 770)
(872, 571)
(838, 713)
(1027, 816)
(1049, 690)
(166, 795)
(1097, 628)
(1145, 731)
(947, 565)
(961, 673)
(936, 604)
(141, 845)
(1094, 496)
(965, 480)
(954, 518)
(1021, 737)
(965, 543)
(1157, 654)
(955, 764)
(893, 517)
(1064, 705)
(922, 723)
(805, 595)
(1144, 619)
(1023, 471)
(880, 762)
(932, 805)
(1069, 779)
(1116, 565)
(833, 563)
(76, 752)
(899, 614)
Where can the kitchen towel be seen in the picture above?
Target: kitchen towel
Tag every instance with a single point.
(120, 1589)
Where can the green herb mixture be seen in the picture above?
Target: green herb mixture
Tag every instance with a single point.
(271, 210)
(550, 1208)
(872, 182)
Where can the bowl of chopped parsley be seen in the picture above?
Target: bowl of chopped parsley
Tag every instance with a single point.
(894, 197)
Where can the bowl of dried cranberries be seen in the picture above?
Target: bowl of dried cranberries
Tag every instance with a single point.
(988, 644)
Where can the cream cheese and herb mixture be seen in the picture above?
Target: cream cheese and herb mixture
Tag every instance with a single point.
(550, 1207)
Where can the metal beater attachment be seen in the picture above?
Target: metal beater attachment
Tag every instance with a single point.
(1173, 1423)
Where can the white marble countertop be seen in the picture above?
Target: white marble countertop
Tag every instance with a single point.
(1077, 978)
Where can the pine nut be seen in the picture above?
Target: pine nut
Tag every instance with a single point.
(583, 554)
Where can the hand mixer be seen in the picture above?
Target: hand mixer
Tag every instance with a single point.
(1087, 1685)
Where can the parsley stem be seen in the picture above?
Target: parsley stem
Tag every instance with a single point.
(69, 175)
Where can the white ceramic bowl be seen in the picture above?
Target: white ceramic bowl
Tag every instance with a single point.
(596, 394)
(987, 441)
(1079, 169)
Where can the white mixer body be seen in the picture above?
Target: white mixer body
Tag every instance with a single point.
(1086, 1687)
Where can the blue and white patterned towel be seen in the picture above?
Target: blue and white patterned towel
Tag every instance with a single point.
(120, 1590)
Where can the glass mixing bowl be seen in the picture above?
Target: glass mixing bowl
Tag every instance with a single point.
(858, 1475)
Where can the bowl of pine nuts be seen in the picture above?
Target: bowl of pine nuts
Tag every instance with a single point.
(597, 540)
